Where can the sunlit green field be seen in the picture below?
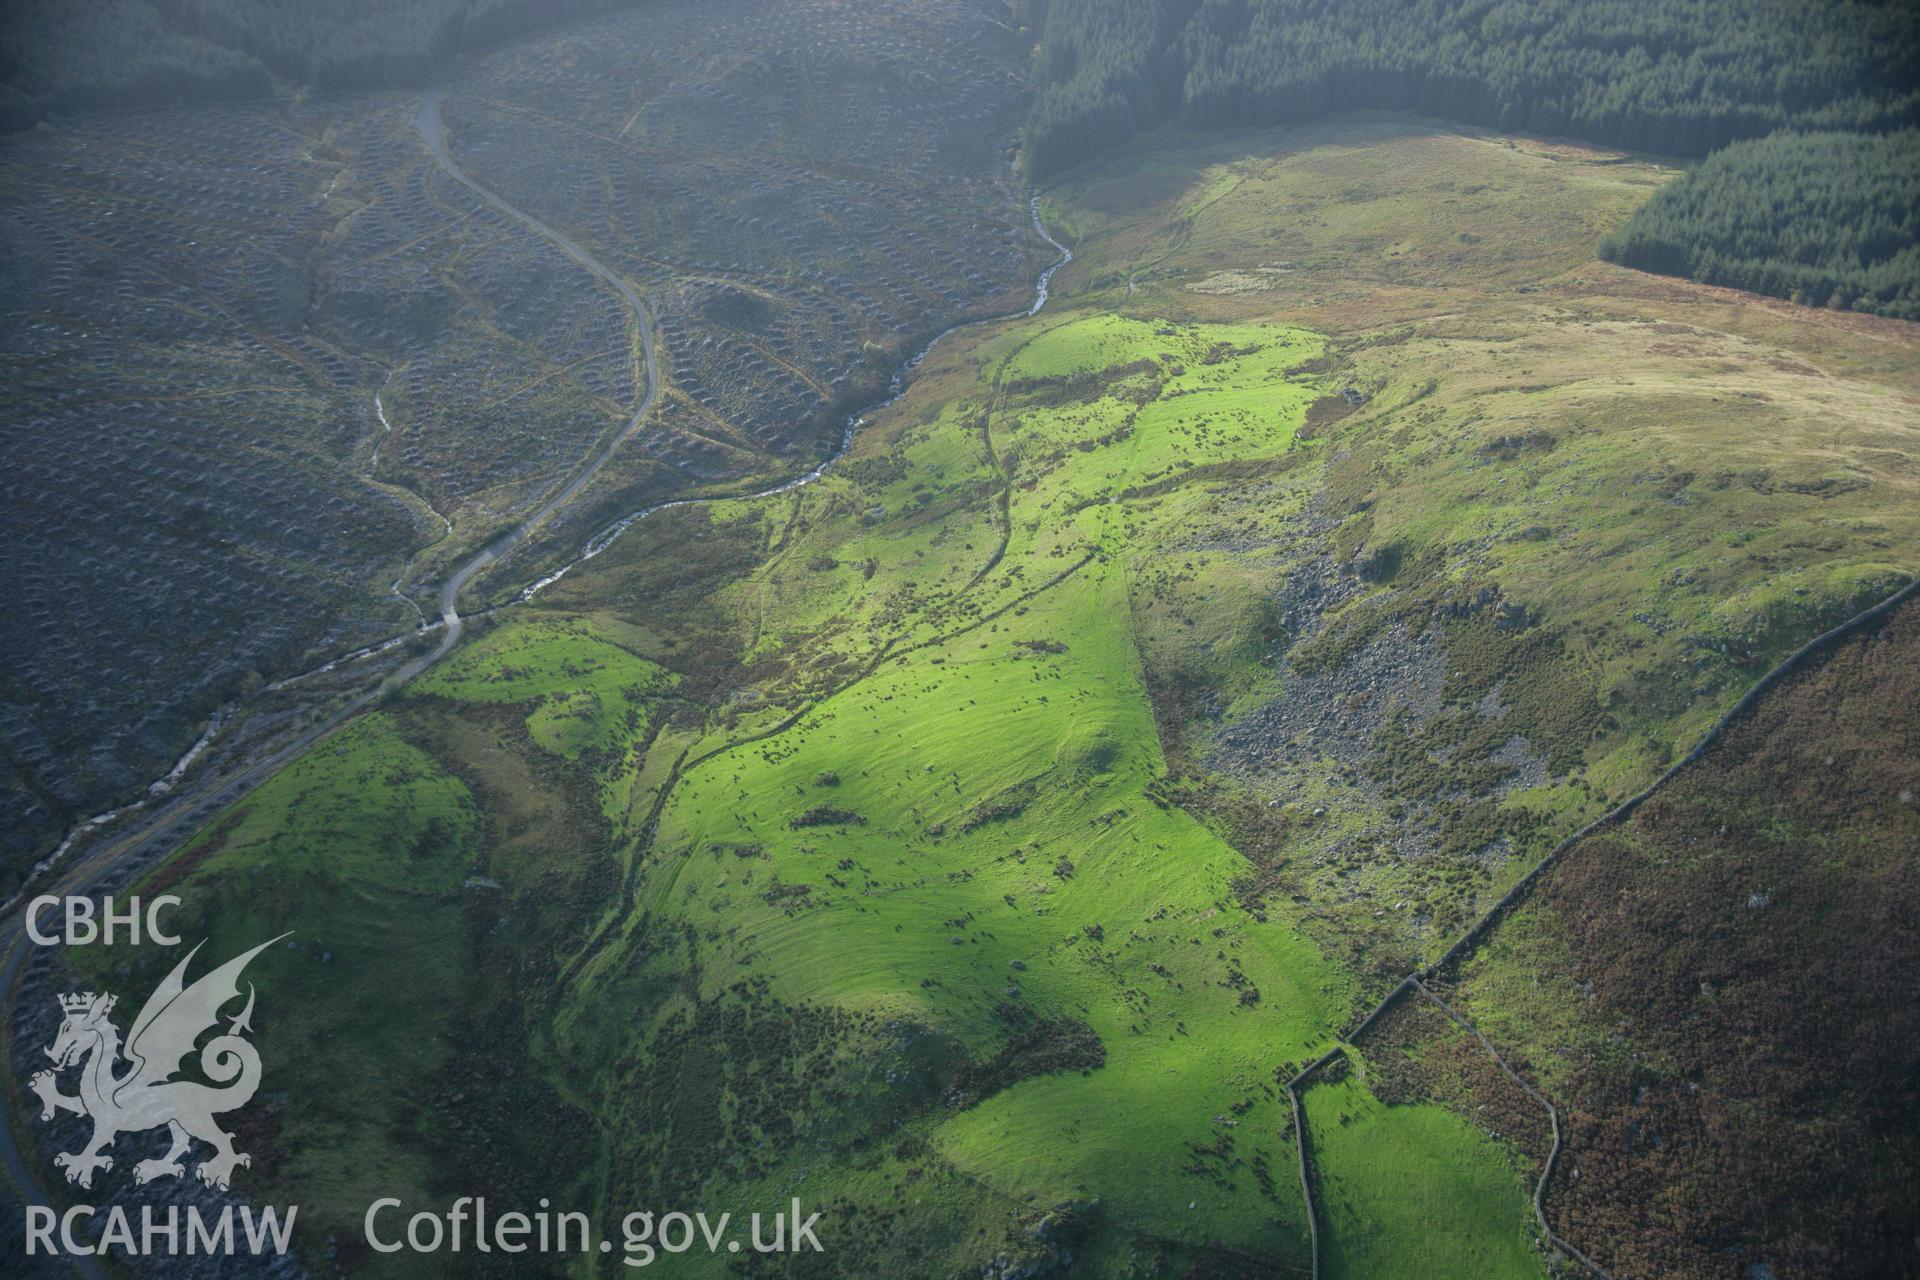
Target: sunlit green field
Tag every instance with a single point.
(1413, 1190)
(881, 842)
(965, 839)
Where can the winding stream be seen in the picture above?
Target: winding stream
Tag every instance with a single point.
(1066, 256)
(450, 623)
(433, 131)
(896, 387)
(177, 815)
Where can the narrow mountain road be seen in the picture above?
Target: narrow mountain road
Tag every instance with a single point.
(433, 130)
(173, 823)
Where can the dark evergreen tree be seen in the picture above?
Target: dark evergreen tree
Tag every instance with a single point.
(1828, 219)
(1676, 77)
(1821, 208)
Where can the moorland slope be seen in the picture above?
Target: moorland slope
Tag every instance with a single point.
(274, 371)
(971, 842)
(1814, 97)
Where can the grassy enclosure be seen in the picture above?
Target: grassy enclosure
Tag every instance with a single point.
(972, 841)
(329, 372)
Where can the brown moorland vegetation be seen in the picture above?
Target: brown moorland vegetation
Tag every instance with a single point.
(1721, 994)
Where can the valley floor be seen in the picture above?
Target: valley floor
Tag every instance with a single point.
(973, 842)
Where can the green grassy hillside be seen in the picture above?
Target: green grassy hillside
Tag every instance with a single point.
(357, 853)
(1412, 1190)
(970, 842)
(1799, 109)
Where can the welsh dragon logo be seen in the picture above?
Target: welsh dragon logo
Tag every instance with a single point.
(144, 1095)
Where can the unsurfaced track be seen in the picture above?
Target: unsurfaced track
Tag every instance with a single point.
(117, 859)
